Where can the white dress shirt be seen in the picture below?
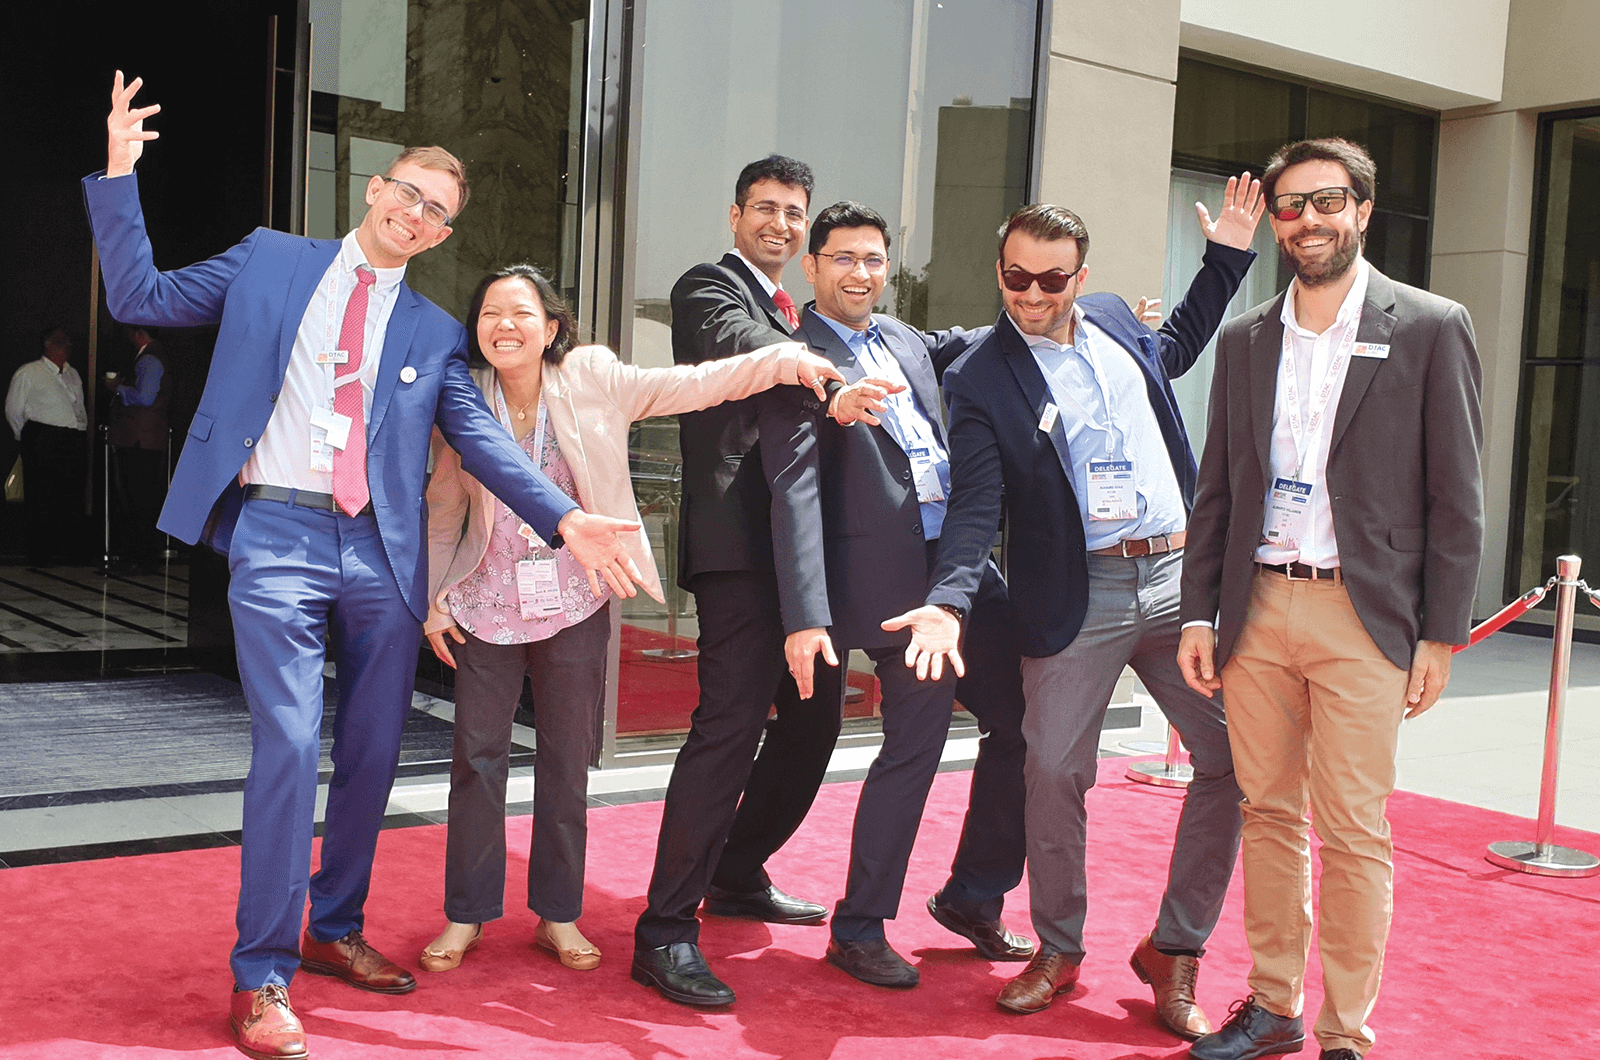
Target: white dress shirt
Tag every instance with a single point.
(41, 391)
(1313, 356)
(1083, 379)
(282, 455)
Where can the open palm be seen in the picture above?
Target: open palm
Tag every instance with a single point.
(1242, 207)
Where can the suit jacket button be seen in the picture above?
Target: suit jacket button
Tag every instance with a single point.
(248, 442)
(917, 530)
(905, 476)
(273, 398)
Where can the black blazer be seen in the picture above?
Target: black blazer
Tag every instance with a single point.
(1403, 472)
(997, 400)
(721, 310)
(846, 527)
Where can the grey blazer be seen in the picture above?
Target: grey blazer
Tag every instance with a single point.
(1403, 472)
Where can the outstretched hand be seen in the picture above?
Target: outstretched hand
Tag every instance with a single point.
(1242, 207)
(125, 131)
(860, 400)
(812, 371)
(935, 636)
(595, 541)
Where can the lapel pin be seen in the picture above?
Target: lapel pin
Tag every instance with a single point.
(408, 374)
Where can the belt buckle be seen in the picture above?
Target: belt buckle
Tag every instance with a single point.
(1288, 572)
(1122, 546)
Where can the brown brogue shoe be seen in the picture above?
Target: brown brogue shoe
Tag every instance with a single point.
(356, 962)
(1172, 979)
(1047, 975)
(264, 1026)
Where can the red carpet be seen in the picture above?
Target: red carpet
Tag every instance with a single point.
(127, 957)
(658, 695)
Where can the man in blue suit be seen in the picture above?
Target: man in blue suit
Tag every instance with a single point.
(305, 465)
(1068, 406)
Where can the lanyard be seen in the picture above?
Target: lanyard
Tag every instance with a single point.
(540, 421)
(1305, 434)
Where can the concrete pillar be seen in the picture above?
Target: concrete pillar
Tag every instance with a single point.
(1107, 143)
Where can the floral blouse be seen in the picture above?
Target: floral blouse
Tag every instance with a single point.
(486, 603)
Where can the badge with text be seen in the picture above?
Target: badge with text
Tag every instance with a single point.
(1111, 491)
(321, 453)
(538, 588)
(925, 472)
(335, 425)
(333, 356)
(1288, 514)
(1048, 420)
(1376, 350)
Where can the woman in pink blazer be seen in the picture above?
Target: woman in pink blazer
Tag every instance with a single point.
(503, 601)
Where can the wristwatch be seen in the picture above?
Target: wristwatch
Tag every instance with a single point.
(960, 615)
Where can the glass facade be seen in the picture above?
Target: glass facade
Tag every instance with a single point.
(1556, 508)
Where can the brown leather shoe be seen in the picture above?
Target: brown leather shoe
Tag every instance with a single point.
(264, 1026)
(357, 963)
(1172, 979)
(1047, 975)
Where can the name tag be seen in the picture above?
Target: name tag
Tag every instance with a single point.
(1288, 514)
(538, 591)
(321, 454)
(1048, 420)
(336, 426)
(333, 356)
(1111, 492)
(925, 472)
(1377, 350)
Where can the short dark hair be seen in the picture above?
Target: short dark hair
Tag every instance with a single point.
(555, 308)
(1352, 156)
(846, 214)
(781, 168)
(55, 338)
(1049, 223)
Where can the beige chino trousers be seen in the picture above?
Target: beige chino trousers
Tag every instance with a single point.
(1314, 712)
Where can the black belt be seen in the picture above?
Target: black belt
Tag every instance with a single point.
(1301, 572)
(298, 498)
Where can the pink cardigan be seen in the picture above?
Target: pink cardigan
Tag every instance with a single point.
(592, 399)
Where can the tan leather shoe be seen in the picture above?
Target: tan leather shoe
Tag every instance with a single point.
(585, 958)
(264, 1026)
(1172, 979)
(449, 960)
(357, 963)
(1047, 975)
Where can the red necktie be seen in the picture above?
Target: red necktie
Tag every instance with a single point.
(350, 463)
(785, 304)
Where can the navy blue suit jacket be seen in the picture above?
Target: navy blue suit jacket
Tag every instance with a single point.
(997, 397)
(258, 292)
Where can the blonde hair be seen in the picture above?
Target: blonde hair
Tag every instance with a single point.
(440, 159)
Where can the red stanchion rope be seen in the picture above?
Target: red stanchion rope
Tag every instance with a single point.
(1514, 610)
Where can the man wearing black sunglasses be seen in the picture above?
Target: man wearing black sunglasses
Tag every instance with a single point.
(1069, 407)
(1334, 544)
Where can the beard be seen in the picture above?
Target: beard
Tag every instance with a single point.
(1321, 273)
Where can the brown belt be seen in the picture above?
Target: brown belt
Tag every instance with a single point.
(1301, 572)
(1144, 546)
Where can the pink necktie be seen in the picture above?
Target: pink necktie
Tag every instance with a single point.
(785, 304)
(350, 463)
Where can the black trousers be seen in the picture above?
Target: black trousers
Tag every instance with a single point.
(141, 490)
(54, 462)
(991, 853)
(708, 833)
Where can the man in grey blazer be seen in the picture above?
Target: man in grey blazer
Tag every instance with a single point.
(1334, 543)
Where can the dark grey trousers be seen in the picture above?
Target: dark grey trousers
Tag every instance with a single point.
(569, 684)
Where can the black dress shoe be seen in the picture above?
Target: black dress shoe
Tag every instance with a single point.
(993, 941)
(872, 961)
(679, 971)
(769, 904)
(1340, 1054)
(1251, 1031)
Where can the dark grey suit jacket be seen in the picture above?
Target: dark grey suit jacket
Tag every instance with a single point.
(1403, 472)
(846, 526)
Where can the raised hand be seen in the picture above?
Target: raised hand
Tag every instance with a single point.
(1148, 311)
(860, 400)
(125, 131)
(1242, 207)
(935, 636)
(595, 541)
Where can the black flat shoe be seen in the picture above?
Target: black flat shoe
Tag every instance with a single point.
(680, 972)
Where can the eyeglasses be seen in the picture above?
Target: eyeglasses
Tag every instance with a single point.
(771, 211)
(848, 262)
(409, 195)
(1326, 200)
(1053, 282)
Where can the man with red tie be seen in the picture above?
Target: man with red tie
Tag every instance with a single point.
(304, 465)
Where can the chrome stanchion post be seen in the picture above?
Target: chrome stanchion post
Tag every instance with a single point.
(1169, 772)
(672, 653)
(1542, 857)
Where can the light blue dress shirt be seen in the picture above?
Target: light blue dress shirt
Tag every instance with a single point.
(906, 421)
(1081, 379)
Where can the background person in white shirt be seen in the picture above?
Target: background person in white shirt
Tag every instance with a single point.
(44, 406)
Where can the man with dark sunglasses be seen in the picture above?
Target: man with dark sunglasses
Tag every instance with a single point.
(1068, 407)
(1334, 547)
